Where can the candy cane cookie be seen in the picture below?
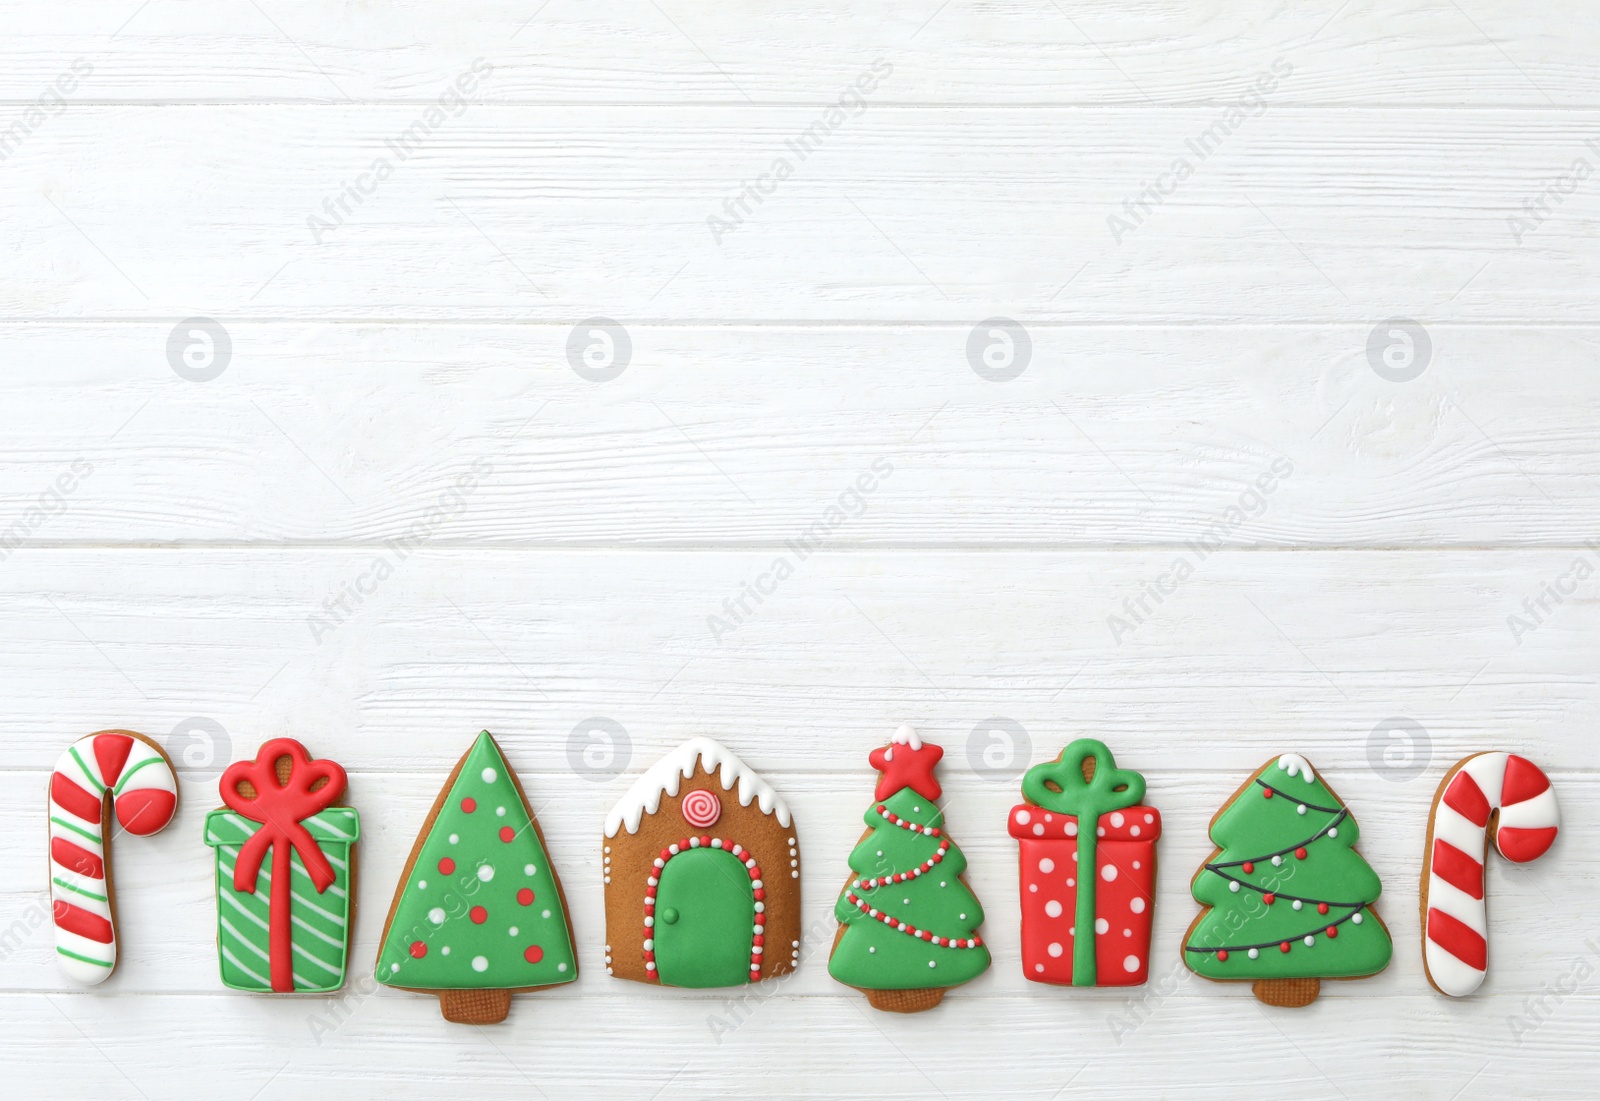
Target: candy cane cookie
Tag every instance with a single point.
(1497, 798)
(138, 779)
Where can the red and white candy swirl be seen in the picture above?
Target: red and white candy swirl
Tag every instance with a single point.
(701, 808)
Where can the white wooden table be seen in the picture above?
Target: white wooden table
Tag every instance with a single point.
(379, 331)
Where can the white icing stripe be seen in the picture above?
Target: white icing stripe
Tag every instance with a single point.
(1488, 771)
(1537, 813)
(1459, 905)
(1459, 831)
(1452, 975)
(666, 776)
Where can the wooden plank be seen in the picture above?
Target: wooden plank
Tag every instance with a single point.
(1253, 648)
(1092, 53)
(739, 436)
(558, 214)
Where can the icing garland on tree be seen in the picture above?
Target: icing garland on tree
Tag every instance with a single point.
(908, 922)
(1259, 923)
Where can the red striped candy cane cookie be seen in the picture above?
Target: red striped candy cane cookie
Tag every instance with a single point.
(1488, 797)
(138, 778)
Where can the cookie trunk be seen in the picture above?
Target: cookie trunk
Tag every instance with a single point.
(475, 1007)
(1287, 993)
(905, 1001)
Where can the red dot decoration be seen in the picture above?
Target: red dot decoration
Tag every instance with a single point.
(418, 949)
(525, 897)
(469, 804)
(1284, 947)
(1249, 867)
(1300, 854)
(507, 833)
(1333, 931)
(533, 953)
(1269, 898)
(1222, 955)
(478, 915)
(446, 866)
(1322, 907)
(1267, 792)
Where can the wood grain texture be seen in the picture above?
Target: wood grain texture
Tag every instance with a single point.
(541, 214)
(1115, 436)
(400, 515)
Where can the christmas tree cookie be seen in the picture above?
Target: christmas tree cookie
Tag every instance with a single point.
(478, 914)
(908, 922)
(1287, 899)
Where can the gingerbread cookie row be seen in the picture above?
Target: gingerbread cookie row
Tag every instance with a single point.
(701, 871)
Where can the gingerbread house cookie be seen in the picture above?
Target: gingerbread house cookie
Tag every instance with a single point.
(702, 874)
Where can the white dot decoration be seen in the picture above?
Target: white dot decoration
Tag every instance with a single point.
(1023, 817)
(436, 915)
(561, 967)
(528, 869)
(489, 777)
(480, 963)
(422, 884)
(1108, 873)
(1137, 905)
(1355, 919)
(445, 951)
(1254, 953)
(546, 914)
(1052, 908)
(1047, 865)
(1055, 948)
(1131, 964)
(393, 967)
(512, 931)
(500, 812)
(1101, 925)
(454, 838)
(486, 872)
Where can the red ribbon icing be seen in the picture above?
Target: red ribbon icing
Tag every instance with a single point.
(281, 808)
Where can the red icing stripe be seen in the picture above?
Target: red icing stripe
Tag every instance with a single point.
(1520, 846)
(76, 859)
(1457, 868)
(1466, 798)
(74, 799)
(145, 810)
(75, 919)
(1459, 939)
(1523, 781)
(112, 750)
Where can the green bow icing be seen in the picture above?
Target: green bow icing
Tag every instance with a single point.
(1059, 785)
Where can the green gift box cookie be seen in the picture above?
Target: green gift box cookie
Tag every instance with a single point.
(283, 875)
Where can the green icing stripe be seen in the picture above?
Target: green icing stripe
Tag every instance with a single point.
(81, 958)
(79, 830)
(99, 787)
(121, 783)
(64, 885)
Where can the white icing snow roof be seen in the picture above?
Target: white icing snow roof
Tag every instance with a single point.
(667, 775)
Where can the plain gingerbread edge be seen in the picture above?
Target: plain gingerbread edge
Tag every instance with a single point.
(1370, 907)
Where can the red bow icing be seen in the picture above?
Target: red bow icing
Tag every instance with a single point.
(280, 808)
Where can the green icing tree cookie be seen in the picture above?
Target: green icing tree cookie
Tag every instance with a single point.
(1288, 899)
(478, 912)
(908, 921)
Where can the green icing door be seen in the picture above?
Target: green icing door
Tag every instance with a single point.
(705, 918)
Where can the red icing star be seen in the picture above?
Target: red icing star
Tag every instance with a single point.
(904, 767)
